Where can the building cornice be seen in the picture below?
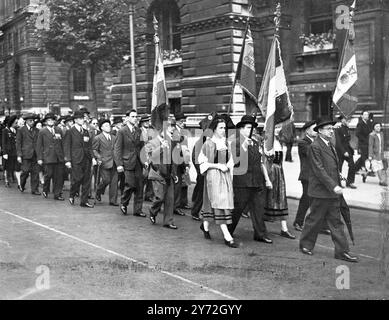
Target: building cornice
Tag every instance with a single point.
(20, 15)
(232, 20)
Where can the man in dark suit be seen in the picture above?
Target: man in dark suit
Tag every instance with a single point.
(249, 180)
(103, 147)
(78, 158)
(50, 155)
(325, 191)
(163, 173)
(127, 149)
(8, 148)
(345, 151)
(26, 139)
(303, 147)
(147, 135)
(362, 132)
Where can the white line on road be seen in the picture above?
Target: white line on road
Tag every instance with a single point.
(120, 255)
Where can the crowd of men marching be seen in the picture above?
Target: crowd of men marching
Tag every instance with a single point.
(127, 155)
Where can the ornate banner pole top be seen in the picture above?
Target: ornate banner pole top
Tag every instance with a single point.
(155, 23)
(351, 24)
(277, 19)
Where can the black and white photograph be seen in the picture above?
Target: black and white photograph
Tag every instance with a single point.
(211, 151)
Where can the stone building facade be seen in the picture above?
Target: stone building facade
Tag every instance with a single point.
(33, 82)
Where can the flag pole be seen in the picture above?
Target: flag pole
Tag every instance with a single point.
(240, 58)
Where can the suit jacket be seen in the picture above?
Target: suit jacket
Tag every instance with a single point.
(75, 147)
(161, 158)
(26, 142)
(247, 165)
(362, 132)
(376, 146)
(8, 142)
(324, 174)
(303, 150)
(342, 138)
(128, 147)
(103, 150)
(49, 148)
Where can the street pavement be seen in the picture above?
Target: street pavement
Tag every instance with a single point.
(101, 254)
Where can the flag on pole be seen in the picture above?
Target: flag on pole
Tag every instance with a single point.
(245, 74)
(273, 98)
(345, 94)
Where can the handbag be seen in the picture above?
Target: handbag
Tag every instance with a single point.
(377, 165)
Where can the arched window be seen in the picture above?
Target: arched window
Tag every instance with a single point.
(168, 16)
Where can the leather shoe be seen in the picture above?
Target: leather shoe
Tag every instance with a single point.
(297, 227)
(264, 239)
(140, 214)
(152, 219)
(383, 184)
(98, 197)
(86, 205)
(206, 233)
(231, 244)
(287, 234)
(123, 209)
(196, 218)
(351, 186)
(306, 251)
(36, 193)
(113, 204)
(170, 226)
(71, 201)
(44, 194)
(186, 207)
(179, 212)
(59, 198)
(20, 189)
(327, 232)
(346, 257)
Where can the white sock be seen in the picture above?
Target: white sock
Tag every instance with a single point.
(17, 175)
(206, 225)
(226, 233)
(284, 226)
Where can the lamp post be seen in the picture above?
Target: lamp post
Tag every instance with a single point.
(133, 72)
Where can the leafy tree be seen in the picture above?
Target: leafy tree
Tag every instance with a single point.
(87, 33)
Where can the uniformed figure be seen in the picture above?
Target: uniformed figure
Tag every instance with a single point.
(26, 139)
(345, 151)
(326, 192)
(50, 155)
(103, 148)
(78, 158)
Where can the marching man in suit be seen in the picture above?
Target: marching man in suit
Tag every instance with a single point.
(326, 192)
(103, 148)
(26, 139)
(127, 158)
(50, 155)
(78, 157)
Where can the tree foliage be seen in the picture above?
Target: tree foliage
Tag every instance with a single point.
(91, 33)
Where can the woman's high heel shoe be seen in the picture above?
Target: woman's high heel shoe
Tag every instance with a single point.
(231, 244)
(206, 233)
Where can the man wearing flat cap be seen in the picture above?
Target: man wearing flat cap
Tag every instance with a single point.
(326, 194)
(78, 158)
(26, 139)
(344, 150)
(50, 155)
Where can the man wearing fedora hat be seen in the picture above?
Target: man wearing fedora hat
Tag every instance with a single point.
(78, 158)
(50, 155)
(249, 181)
(326, 193)
(26, 139)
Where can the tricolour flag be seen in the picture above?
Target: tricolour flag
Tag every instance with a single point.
(273, 98)
(159, 96)
(245, 74)
(345, 95)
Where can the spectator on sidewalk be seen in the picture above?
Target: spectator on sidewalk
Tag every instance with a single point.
(376, 154)
(287, 138)
(344, 150)
(362, 132)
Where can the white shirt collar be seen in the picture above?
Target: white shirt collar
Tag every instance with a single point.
(107, 135)
(325, 141)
